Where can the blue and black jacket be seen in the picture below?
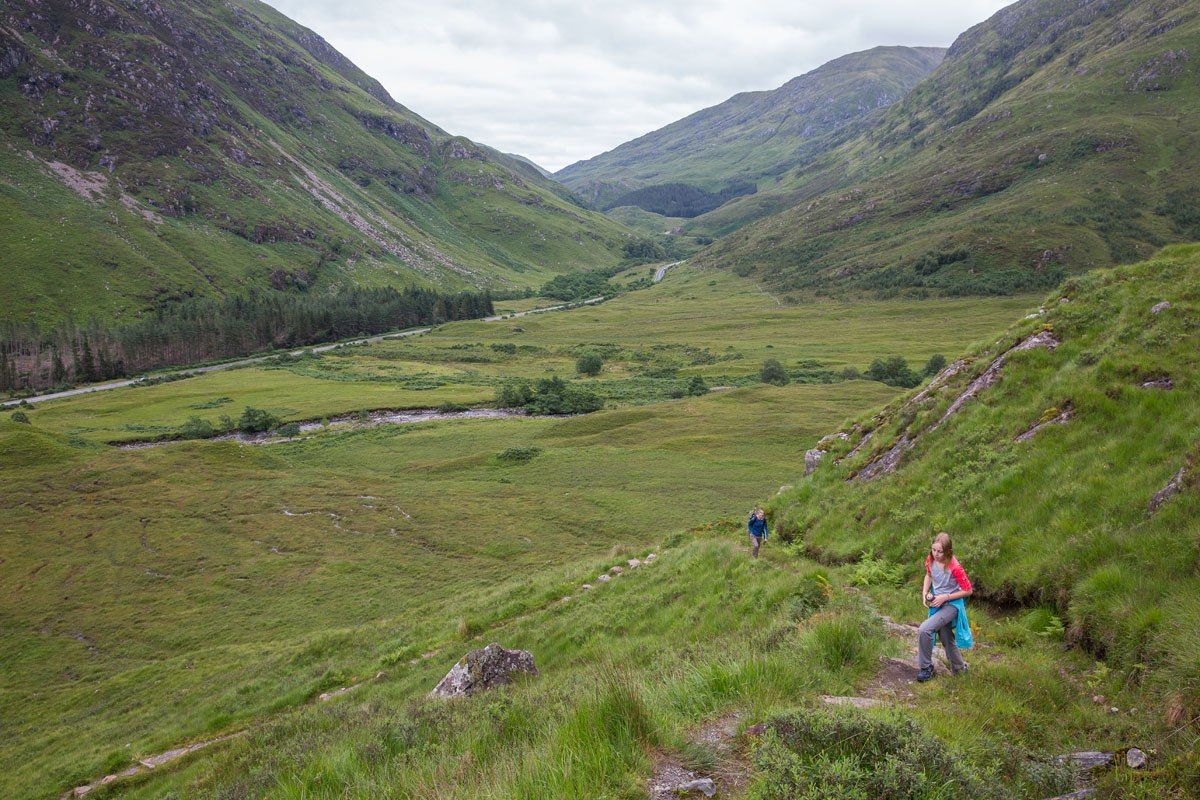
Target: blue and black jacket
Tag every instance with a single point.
(757, 527)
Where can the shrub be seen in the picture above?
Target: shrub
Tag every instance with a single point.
(815, 755)
(518, 455)
(577, 286)
(773, 372)
(290, 429)
(197, 428)
(452, 408)
(255, 420)
(550, 396)
(871, 571)
(556, 396)
(810, 595)
(508, 348)
(514, 394)
(850, 374)
(697, 386)
(21, 417)
(935, 364)
(894, 371)
(589, 364)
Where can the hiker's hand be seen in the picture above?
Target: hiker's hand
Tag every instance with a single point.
(938, 600)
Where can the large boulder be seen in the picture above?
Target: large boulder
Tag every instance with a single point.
(480, 670)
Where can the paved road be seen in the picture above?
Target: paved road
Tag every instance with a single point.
(662, 271)
(104, 387)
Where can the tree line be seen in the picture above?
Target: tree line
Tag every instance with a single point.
(201, 330)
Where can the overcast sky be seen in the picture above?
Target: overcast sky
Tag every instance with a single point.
(563, 81)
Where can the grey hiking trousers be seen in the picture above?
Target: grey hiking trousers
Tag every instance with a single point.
(941, 623)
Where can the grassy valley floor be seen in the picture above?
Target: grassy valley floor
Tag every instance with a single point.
(157, 596)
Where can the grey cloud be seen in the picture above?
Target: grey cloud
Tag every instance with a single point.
(559, 82)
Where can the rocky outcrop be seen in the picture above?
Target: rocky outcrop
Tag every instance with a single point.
(887, 461)
(1173, 487)
(1052, 417)
(811, 459)
(487, 668)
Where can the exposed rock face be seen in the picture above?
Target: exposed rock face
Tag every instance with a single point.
(480, 670)
(1061, 418)
(890, 459)
(1159, 383)
(811, 459)
(1173, 487)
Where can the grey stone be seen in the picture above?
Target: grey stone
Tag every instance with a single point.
(811, 459)
(1086, 759)
(703, 785)
(480, 670)
(1135, 758)
(1158, 308)
(857, 702)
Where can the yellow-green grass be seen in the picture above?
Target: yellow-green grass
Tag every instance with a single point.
(207, 603)
(630, 668)
(704, 322)
(166, 594)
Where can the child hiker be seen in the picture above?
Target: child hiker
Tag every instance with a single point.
(758, 530)
(946, 585)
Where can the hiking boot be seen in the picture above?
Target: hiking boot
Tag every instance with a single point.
(961, 670)
(924, 674)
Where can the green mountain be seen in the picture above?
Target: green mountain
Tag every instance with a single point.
(753, 137)
(1054, 137)
(1064, 458)
(162, 150)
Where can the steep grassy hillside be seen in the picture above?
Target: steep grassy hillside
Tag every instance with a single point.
(166, 149)
(1053, 138)
(1091, 517)
(755, 136)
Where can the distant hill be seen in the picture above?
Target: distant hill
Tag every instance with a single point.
(545, 173)
(754, 136)
(161, 150)
(1054, 137)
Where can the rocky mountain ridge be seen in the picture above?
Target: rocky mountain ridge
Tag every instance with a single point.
(220, 147)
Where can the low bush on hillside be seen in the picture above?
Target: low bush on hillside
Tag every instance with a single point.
(577, 286)
(518, 455)
(872, 571)
(935, 364)
(818, 755)
(197, 428)
(255, 420)
(21, 417)
(773, 372)
(894, 371)
(589, 364)
(811, 594)
(548, 396)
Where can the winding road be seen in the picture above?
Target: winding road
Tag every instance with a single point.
(661, 272)
(104, 387)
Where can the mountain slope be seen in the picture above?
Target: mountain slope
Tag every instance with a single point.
(1062, 457)
(164, 149)
(1054, 137)
(756, 136)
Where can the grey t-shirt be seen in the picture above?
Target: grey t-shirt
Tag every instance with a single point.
(943, 579)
